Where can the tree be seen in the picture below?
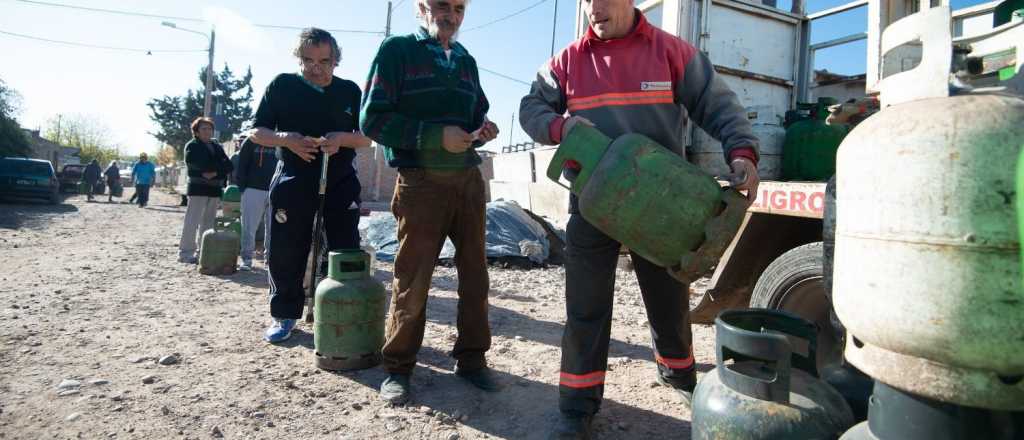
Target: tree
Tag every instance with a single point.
(232, 101)
(86, 132)
(13, 141)
(166, 156)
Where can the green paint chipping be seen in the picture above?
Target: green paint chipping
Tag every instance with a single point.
(648, 198)
(349, 313)
(1020, 203)
(1007, 72)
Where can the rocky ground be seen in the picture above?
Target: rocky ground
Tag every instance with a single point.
(104, 335)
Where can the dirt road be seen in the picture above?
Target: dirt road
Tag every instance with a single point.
(92, 298)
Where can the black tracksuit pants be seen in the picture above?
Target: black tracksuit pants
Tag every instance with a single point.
(589, 288)
(293, 205)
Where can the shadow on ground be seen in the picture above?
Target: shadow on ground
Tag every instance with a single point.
(29, 213)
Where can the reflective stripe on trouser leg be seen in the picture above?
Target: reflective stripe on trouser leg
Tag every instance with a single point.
(589, 288)
(668, 311)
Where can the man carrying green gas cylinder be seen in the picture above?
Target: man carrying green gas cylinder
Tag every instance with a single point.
(626, 76)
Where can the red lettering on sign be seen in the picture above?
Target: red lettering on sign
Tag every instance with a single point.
(777, 200)
(817, 202)
(796, 201)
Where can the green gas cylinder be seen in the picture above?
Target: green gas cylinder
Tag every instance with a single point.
(765, 385)
(809, 151)
(348, 329)
(231, 202)
(218, 252)
(649, 199)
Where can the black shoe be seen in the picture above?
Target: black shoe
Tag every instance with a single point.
(572, 426)
(481, 378)
(396, 389)
(685, 392)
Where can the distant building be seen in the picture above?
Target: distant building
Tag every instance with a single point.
(57, 154)
(834, 85)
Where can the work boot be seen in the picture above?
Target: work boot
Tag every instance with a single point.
(279, 331)
(685, 392)
(481, 378)
(572, 426)
(396, 389)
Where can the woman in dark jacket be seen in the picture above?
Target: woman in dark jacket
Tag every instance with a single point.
(208, 167)
(113, 175)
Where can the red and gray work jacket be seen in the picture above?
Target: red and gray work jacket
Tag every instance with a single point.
(647, 82)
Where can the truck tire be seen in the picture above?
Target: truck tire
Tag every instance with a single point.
(794, 283)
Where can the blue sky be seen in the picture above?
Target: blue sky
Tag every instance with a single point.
(115, 85)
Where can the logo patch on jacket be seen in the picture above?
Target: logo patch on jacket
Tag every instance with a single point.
(655, 86)
(281, 216)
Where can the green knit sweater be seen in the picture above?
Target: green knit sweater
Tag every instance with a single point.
(413, 91)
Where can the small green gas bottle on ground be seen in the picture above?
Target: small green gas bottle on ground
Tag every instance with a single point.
(650, 199)
(348, 329)
(218, 253)
(765, 385)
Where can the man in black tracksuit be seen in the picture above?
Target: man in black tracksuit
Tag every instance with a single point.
(307, 114)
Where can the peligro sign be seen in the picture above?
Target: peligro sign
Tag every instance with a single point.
(799, 199)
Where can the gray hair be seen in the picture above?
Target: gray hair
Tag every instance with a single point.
(315, 37)
(416, 9)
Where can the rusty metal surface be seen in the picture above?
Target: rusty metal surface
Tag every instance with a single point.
(962, 386)
(814, 411)
(719, 233)
(927, 252)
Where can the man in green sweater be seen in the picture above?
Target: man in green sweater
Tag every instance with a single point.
(424, 104)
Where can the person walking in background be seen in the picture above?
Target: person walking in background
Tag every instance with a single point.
(208, 169)
(135, 195)
(256, 167)
(143, 174)
(113, 175)
(91, 176)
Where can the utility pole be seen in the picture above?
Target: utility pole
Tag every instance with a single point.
(511, 127)
(208, 99)
(554, 25)
(378, 156)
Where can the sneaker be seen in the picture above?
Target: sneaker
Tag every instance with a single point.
(280, 331)
(396, 389)
(572, 426)
(685, 394)
(481, 378)
(246, 266)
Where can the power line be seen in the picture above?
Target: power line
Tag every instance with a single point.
(504, 76)
(171, 17)
(507, 16)
(96, 46)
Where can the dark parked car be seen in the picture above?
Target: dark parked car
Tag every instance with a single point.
(28, 178)
(70, 177)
